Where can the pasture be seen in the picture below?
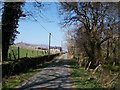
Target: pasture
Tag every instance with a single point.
(14, 53)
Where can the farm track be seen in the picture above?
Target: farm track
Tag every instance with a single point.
(56, 75)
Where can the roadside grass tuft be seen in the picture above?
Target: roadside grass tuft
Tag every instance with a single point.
(82, 78)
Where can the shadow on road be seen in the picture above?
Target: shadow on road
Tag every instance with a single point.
(56, 75)
(24, 64)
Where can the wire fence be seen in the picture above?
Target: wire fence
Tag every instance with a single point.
(19, 52)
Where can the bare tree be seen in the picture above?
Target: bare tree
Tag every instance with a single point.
(97, 25)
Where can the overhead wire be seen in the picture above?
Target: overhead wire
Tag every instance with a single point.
(42, 25)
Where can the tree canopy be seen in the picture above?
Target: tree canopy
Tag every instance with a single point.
(95, 25)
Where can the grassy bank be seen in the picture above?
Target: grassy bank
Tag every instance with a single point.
(82, 78)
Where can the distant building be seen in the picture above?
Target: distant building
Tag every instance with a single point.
(55, 49)
(42, 48)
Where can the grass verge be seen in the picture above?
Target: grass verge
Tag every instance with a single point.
(82, 78)
(15, 80)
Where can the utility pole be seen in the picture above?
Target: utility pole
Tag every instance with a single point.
(61, 44)
(49, 45)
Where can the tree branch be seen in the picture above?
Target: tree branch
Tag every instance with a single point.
(104, 40)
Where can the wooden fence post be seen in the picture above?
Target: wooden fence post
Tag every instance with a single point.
(14, 55)
(18, 52)
(27, 53)
(10, 56)
(89, 65)
(32, 53)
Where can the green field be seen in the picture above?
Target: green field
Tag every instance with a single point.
(24, 52)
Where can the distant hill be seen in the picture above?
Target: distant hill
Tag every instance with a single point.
(36, 46)
(28, 45)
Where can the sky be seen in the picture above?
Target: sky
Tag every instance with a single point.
(37, 32)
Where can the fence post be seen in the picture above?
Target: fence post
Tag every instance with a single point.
(18, 52)
(37, 53)
(10, 56)
(27, 53)
(14, 55)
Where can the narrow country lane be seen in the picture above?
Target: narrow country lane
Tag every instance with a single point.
(57, 75)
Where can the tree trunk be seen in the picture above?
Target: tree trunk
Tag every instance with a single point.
(5, 52)
(5, 32)
(99, 54)
(107, 56)
(10, 17)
